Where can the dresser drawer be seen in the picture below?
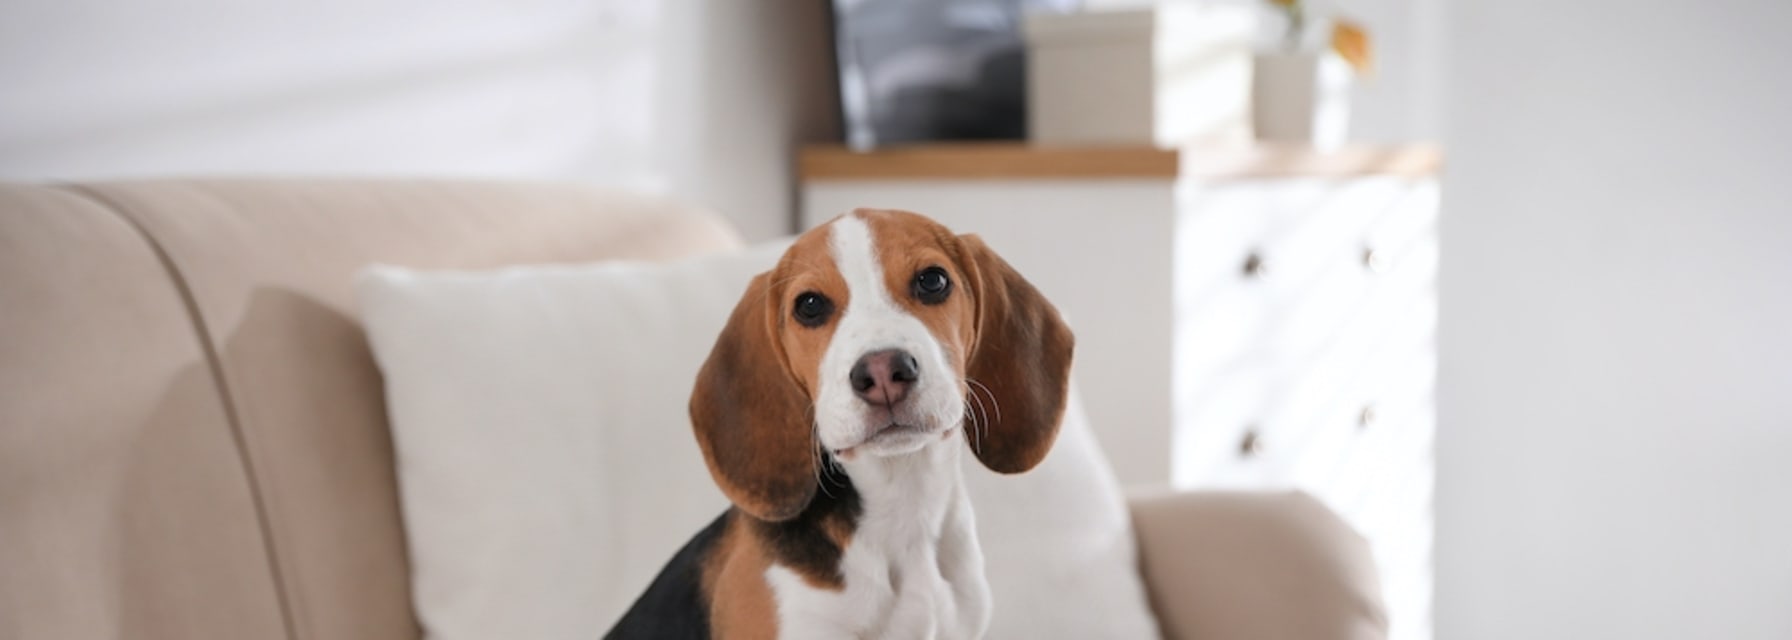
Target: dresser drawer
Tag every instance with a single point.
(1295, 260)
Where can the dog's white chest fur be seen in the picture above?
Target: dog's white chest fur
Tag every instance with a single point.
(914, 568)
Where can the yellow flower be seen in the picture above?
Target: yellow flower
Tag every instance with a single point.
(1352, 44)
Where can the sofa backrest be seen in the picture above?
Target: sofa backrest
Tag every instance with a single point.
(193, 441)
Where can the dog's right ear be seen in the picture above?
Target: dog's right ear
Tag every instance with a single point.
(752, 419)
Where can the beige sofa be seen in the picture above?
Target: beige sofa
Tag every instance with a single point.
(193, 441)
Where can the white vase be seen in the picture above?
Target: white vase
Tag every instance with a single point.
(1301, 98)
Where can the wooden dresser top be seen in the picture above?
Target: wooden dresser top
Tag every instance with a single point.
(1021, 161)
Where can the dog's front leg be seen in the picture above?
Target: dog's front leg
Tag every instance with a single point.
(961, 564)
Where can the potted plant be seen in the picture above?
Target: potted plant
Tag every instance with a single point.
(1300, 89)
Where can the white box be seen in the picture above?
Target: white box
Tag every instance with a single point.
(1177, 74)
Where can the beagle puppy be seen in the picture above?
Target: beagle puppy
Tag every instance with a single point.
(833, 411)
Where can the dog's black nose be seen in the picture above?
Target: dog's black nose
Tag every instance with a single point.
(882, 378)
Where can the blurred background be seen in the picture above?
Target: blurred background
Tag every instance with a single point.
(1598, 442)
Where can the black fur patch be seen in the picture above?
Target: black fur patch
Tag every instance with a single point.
(802, 543)
(674, 606)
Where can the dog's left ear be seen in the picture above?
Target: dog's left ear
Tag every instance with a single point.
(1020, 360)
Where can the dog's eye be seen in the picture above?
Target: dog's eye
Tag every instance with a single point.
(812, 309)
(932, 285)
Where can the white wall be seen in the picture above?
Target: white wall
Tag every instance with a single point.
(698, 98)
(747, 83)
(1399, 102)
(1615, 435)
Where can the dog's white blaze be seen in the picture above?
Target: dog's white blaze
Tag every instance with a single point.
(869, 322)
(914, 568)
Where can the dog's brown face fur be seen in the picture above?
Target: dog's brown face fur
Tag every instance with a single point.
(909, 244)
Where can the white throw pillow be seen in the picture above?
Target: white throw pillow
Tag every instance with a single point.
(547, 467)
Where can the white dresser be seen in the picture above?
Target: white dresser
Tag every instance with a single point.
(1258, 318)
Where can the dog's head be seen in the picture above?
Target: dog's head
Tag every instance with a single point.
(878, 334)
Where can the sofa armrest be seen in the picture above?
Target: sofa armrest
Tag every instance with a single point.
(1242, 565)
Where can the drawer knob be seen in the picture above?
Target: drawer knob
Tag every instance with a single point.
(1366, 417)
(1251, 444)
(1376, 261)
(1254, 266)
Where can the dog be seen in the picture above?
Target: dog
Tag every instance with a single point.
(830, 413)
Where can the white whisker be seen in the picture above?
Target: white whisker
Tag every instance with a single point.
(816, 456)
(980, 428)
(992, 397)
(970, 415)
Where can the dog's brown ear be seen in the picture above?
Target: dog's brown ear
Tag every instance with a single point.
(1019, 364)
(752, 419)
